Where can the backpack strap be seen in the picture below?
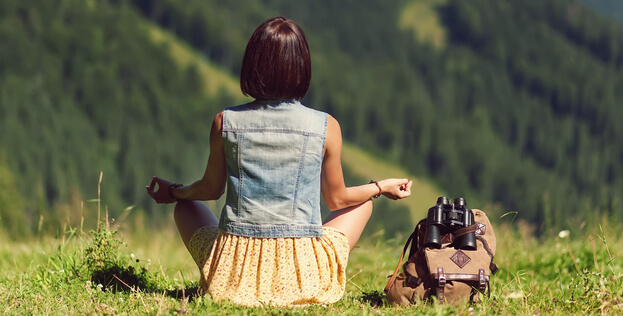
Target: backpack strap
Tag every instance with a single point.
(465, 230)
(392, 279)
(492, 266)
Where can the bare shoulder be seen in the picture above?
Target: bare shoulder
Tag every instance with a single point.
(218, 117)
(217, 123)
(217, 126)
(333, 127)
(333, 144)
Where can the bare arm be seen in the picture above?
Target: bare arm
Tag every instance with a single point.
(334, 191)
(211, 186)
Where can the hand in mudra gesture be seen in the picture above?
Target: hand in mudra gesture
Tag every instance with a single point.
(396, 188)
(161, 194)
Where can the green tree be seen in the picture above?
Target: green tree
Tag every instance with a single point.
(12, 216)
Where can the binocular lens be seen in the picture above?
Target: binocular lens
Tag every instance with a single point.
(433, 237)
(445, 218)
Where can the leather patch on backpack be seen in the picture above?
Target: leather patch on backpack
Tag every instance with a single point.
(460, 259)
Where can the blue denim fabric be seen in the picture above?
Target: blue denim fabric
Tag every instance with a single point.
(273, 151)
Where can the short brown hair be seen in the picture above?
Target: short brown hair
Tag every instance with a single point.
(276, 63)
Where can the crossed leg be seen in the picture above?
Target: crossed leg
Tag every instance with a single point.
(190, 216)
(351, 221)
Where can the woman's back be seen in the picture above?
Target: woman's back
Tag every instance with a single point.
(273, 151)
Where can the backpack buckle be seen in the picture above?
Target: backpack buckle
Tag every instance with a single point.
(482, 282)
(414, 280)
(441, 277)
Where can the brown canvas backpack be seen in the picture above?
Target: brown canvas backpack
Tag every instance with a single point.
(449, 274)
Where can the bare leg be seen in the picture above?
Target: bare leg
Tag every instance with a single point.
(351, 221)
(192, 215)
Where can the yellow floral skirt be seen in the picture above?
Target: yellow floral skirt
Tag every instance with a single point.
(271, 271)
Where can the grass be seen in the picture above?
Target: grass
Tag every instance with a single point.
(119, 271)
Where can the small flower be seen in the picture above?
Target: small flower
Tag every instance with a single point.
(514, 295)
(133, 257)
(563, 234)
(99, 287)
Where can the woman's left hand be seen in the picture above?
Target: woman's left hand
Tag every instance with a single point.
(162, 194)
(396, 188)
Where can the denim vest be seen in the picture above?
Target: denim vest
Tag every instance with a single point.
(273, 151)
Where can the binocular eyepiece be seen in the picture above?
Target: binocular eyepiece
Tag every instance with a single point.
(446, 217)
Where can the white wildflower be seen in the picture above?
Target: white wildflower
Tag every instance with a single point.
(563, 234)
(514, 295)
(99, 287)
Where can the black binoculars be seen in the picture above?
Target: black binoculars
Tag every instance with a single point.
(445, 218)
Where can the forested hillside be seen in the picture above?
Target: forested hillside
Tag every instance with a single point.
(519, 107)
(517, 104)
(83, 89)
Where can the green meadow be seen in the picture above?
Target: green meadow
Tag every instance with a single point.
(119, 270)
(126, 267)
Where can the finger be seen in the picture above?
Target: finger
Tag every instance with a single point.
(409, 184)
(162, 183)
(152, 185)
(151, 193)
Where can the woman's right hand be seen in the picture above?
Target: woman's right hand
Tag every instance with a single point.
(396, 188)
(161, 193)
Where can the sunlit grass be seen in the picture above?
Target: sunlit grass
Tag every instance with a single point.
(558, 274)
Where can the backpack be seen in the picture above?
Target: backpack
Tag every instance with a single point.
(449, 274)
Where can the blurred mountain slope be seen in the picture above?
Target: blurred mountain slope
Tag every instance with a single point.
(516, 103)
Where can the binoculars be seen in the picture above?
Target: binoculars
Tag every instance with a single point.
(445, 218)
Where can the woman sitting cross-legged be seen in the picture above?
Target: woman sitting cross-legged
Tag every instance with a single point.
(276, 157)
